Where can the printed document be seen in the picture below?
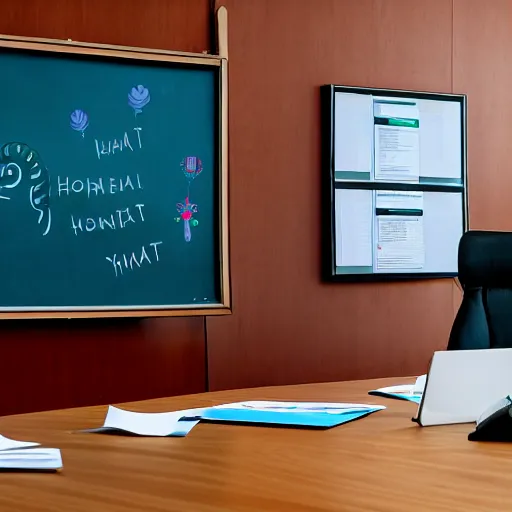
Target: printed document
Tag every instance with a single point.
(397, 141)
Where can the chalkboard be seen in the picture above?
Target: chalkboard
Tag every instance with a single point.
(112, 182)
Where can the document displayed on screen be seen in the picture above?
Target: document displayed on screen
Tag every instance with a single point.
(399, 231)
(440, 139)
(353, 136)
(443, 227)
(391, 231)
(400, 243)
(398, 200)
(354, 219)
(397, 140)
(396, 165)
(401, 139)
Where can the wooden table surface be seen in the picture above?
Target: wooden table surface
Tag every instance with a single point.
(383, 462)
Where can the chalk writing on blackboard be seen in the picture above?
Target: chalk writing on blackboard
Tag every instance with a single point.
(99, 186)
(123, 138)
(121, 218)
(20, 164)
(116, 220)
(126, 262)
(109, 147)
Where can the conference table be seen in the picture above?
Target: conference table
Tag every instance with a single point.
(383, 462)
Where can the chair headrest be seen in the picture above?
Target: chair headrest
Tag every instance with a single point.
(485, 259)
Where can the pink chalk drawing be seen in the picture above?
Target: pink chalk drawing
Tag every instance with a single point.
(186, 212)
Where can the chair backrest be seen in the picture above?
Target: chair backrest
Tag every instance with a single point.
(484, 319)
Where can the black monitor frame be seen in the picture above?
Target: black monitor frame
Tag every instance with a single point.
(329, 184)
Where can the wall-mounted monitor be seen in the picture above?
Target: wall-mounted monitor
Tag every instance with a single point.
(394, 183)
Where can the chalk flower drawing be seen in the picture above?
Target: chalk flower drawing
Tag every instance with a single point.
(79, 121)
(138, 98)
(186, 210)
(192, 167)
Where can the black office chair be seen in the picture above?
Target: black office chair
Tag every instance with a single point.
(484, 319)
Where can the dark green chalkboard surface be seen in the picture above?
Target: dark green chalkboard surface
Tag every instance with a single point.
(110, 183)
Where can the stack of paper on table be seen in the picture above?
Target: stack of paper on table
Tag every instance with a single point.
(21, 455)
(303, 414)
(177, 423)
(411, 392)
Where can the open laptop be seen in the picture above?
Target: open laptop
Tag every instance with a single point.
(461, 384)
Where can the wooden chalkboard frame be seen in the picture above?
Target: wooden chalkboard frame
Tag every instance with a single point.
(174, 57)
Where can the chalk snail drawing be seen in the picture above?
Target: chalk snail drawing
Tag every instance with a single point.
(20, 164)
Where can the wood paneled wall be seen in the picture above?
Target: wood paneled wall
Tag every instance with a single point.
(53, 364)
(287, 326)
(482, 49)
